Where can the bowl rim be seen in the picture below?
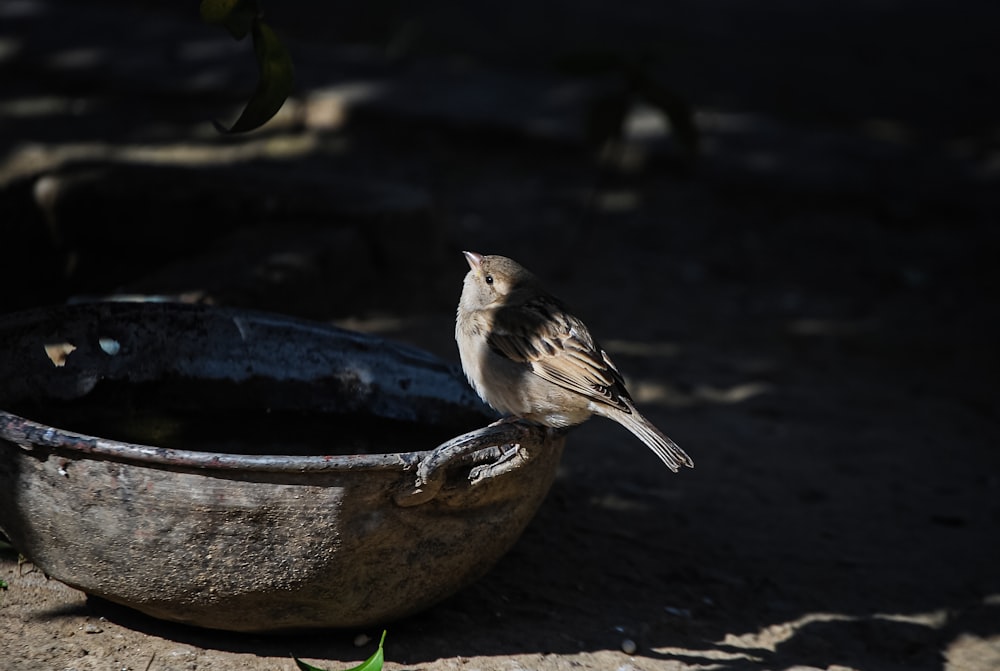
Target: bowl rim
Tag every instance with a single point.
(29, 434)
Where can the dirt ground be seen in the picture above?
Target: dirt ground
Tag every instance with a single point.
(811, 312)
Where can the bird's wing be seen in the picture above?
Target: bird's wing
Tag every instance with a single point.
(558, 347)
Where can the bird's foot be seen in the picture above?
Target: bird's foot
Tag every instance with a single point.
(508, 457)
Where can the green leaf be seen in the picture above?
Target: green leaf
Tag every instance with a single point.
(3, 584)
(373, 663)
(236, 15)
(275, 83)
(303, 666)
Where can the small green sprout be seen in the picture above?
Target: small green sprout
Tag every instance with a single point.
(373, 663)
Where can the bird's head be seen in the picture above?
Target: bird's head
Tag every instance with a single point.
(493, 280)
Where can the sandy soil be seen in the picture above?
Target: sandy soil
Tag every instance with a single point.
(810, 314)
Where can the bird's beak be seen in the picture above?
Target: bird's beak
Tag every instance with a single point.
(475, 260)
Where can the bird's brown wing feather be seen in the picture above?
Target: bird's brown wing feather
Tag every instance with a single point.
(558, 348)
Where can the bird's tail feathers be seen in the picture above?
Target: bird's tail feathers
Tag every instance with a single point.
(667, 450)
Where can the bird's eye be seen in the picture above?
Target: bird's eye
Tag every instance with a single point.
(489, 279)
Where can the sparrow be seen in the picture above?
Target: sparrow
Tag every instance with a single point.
(528, 357)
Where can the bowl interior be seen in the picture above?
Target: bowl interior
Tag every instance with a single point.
(226, 381)
(231, 418)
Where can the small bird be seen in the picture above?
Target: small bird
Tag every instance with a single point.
(529, 358)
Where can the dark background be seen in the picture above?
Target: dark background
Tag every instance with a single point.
(809, 308)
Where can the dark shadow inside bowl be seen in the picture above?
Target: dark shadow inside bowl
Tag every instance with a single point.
(231, 417)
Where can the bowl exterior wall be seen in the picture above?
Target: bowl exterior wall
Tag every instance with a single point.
(260, 551)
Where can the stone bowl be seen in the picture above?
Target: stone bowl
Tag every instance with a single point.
(252, 472)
